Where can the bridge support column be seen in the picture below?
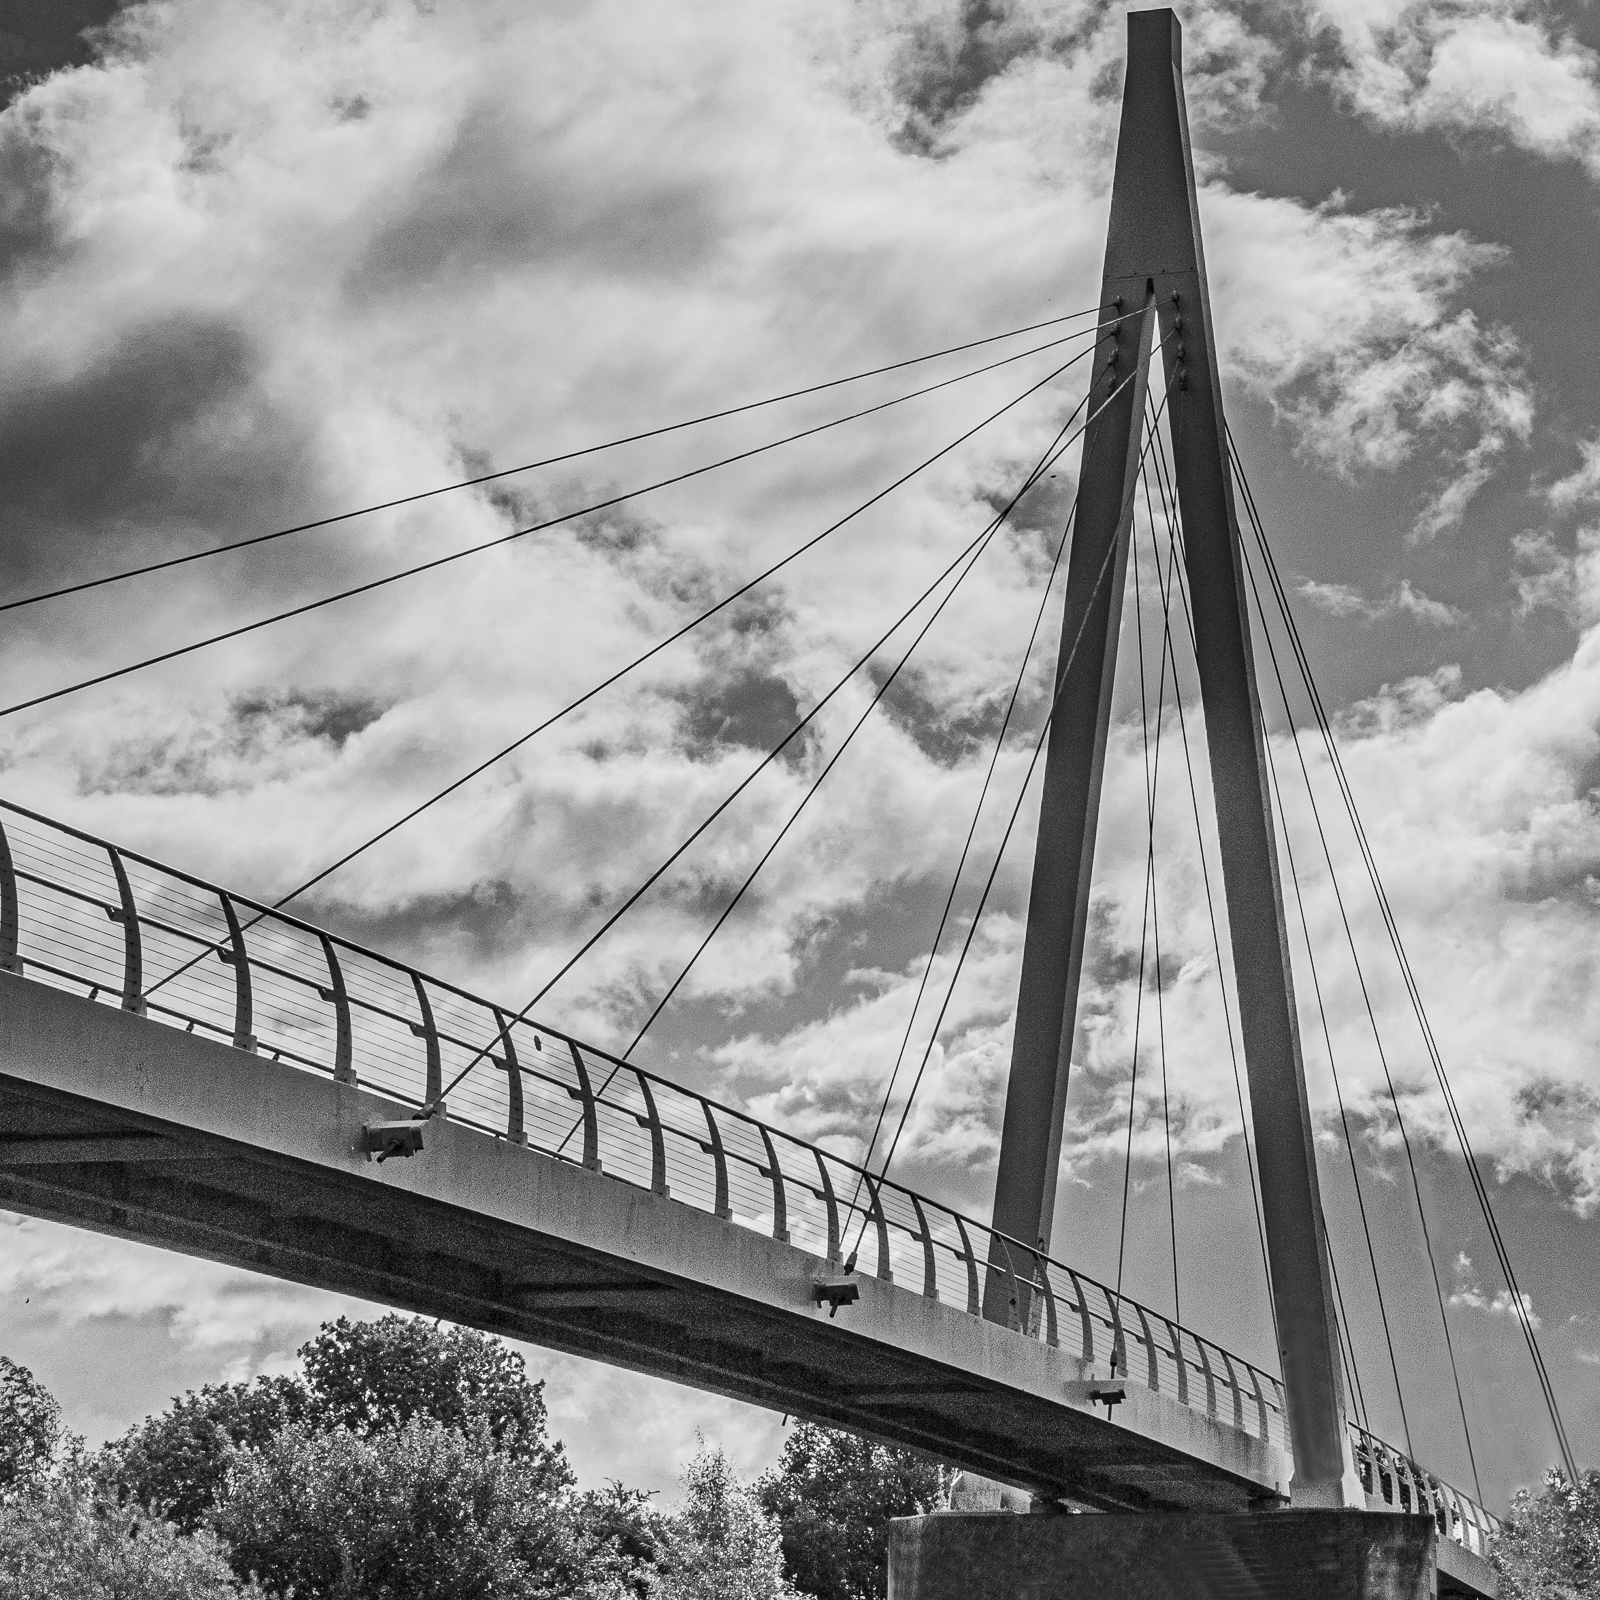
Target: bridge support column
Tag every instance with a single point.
(1155, 262)
(1280, 1555)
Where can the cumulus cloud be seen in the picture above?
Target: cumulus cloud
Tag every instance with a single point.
(268, 261)
(1496, 69)
(1468, 1292)
(1340, 600)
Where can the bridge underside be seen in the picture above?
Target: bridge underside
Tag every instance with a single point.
(126, 1126)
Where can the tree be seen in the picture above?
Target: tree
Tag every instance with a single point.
(1550, 1548)
(418, 1512)
(833, 1496)
(175, 1465)
(367, 1376)
(63, 1538)
(622, 1523)
(30, 1426)
(722, 1545)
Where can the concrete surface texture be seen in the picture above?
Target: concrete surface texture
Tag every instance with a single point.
(1282, 1555)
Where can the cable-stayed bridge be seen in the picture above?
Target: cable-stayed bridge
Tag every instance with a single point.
(190, 1067)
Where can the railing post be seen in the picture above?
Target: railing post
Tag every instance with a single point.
(515, 1132)
(1261, 1400)
(343, 1048)
(780, 1209)
(658, 1144)
(1211, 1377)
(132, 949)
(1119, 1339)
(433, 1093)
(974, 1299)
(1149, 1348)
(1051, 1332)
(930, 1268)
(1233, 1383)
(720, 1157)
(885, 1266)
(1180, 1366)
(1084, 1318)
(835, 1253)
(10, 928)
(591, 1121)
(239, 959)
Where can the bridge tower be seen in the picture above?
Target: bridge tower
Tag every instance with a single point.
(1155, 277)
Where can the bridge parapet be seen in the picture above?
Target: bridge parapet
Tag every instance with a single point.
(118, 928)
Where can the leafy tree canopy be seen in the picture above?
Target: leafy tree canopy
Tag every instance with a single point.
(1550, 1549)
(62, 1538)
(364, 1377)
(833, 1496)
(175, 1464)
(420, 1512)
(721, 1545)
(30, 1426)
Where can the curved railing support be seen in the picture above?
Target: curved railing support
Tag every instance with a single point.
(1233, 1384)
(720, 1157)
(831, 1202)
(132, 948)
(1083, 1317)
(1119, 1337)
(1051, 1333)
(658, 1144)
(1261, 1401)
(591, 1119)
(344, 1046)
(1211, 1377)
(974, 1299)
(780, 1206)
(237, 957)
(885, 1266)
(516, 1132)
(1148, 1340)
(433, 1093)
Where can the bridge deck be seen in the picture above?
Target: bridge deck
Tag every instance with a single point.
(114, 1122)
(572, 1199)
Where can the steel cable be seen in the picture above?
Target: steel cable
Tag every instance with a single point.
(1045, 462)
(1405, 1139)
(531, 466)
(522, 533)
(1061, 677)
(1166, 484)
(1480, 1189)
(638, 661)
(1051, 455)
(767, 760)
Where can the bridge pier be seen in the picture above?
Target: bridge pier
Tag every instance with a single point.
(1277, 1555)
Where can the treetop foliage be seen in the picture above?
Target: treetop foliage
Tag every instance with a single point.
(368, 1376)
(833, 1496)
(364, 1377)
(30, 1426)
(1550, 1549)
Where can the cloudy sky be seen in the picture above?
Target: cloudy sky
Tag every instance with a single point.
(266, 262)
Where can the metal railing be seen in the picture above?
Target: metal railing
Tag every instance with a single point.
(79, 912)
(1398, 1482)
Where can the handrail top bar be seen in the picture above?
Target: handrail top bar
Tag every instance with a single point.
(395, 965)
